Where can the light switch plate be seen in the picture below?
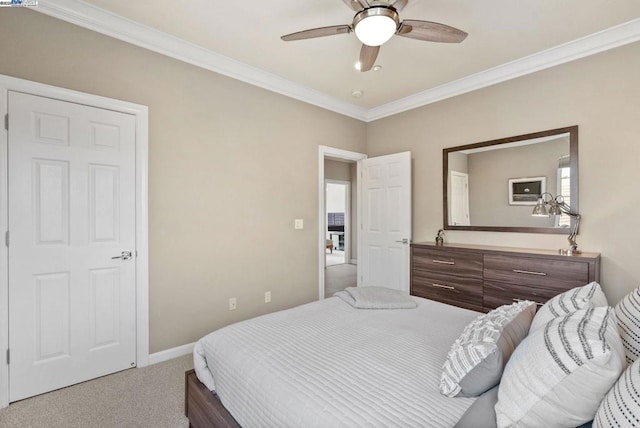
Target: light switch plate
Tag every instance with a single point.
(298, 223)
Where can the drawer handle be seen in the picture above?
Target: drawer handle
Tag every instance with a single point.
(447, 287)
(521, 300)
(444, 262)
(528, 272)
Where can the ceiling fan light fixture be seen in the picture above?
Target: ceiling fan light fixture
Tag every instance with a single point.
(376, 25)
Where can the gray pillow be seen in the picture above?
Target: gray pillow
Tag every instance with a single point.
(478, 357)
(482, 412)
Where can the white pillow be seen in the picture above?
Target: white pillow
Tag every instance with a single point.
(621, 406)
(628, 314)
(560, 373)
(584, 297)
(477, 358)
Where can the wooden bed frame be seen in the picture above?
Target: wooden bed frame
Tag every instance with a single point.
(202, 407)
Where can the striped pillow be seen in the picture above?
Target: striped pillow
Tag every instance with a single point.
(621, 407)
(477, 358)
(584, 297)
(628, 314)
(561, 372)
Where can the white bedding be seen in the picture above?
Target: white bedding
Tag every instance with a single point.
(326, 364)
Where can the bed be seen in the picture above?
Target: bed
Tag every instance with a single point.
(326, 364)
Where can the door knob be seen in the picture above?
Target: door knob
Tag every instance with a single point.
(404, 241)
(126, 255)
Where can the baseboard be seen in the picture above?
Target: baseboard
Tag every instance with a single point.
(354, 261)
(168, 354)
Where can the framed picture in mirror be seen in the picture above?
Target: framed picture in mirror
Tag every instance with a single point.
(526, 191)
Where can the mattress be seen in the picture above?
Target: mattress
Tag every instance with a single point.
(326, 364)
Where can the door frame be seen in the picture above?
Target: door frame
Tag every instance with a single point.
(347, 216)
(331, 153)
(450, 195)
(141, 114)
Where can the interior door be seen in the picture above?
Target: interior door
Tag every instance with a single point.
(386, 221)
(459, 207)
(71, 211)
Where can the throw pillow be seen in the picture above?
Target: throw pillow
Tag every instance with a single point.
(584, 297)
(477, 358)
(621, 406)
(560, 373)
(628, 314)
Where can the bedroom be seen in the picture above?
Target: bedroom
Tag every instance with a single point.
(215, 209)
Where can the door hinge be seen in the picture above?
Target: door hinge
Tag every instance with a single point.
(6, 121)
(8, 356)
(6, 238)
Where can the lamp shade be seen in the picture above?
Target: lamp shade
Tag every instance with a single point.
(375, 25)
(555, 209)
(540, 210)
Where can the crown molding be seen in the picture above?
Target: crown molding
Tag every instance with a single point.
(610, 38)
(102, 21)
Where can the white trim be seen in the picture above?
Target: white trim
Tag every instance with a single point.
(331, 153)
(8, 83)
(168, 354)
(113, 25)
(610, 38)
(347, 216)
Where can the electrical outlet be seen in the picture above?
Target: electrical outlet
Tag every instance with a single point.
(298, 223)
(267, 297)
(232, 304)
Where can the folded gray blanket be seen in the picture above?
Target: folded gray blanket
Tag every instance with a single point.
(376, 298)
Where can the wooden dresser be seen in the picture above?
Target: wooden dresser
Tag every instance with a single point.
(481, 278)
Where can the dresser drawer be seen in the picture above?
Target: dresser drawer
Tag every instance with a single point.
(460, 264)
(530, 271)
(466, 294)
(498, 294)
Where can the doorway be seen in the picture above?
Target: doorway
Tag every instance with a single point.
(338, 201)
(339, 222)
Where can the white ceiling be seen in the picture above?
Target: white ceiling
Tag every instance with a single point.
(500, 31)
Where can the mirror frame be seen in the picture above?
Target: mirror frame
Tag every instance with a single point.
(573, 164)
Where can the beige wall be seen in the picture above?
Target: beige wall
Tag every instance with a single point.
(336, 170)
(230, 167)
(599, 93)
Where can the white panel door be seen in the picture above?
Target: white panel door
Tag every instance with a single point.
(459, 206)
(71, 210)
(386, 221)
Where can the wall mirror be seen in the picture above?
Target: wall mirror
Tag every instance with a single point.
(494, 185)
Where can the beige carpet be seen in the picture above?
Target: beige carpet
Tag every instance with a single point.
(148, 397)
(339, 277)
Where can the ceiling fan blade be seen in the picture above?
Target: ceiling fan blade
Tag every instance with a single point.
(430, 31)
(368, 55)
(363, 3)
(399, 4)
(317, 32)
(354, 5)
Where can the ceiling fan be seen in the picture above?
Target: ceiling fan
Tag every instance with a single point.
(375, 22)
